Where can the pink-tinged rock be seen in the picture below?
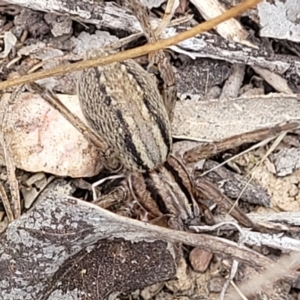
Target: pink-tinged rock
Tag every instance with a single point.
(40, 139)
(200, 259)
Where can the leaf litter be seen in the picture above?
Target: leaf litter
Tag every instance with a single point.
(36, 145)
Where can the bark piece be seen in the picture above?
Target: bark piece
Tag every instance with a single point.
(200, 75)
(217, 119)
(233, 84)
(111, 267)
(230, 29)
(280, 19)
(233, 185)
(50, 252)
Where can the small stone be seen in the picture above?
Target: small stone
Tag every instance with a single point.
(216, 284)
(200, 259)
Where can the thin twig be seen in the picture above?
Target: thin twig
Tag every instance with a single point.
(6, 203)
(15, 201)
(256, 146)
(13, 182)
(169, 12)
(234, 268)
(210, 149)
(209, 191)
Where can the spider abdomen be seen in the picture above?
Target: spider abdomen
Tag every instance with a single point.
(122, 104)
